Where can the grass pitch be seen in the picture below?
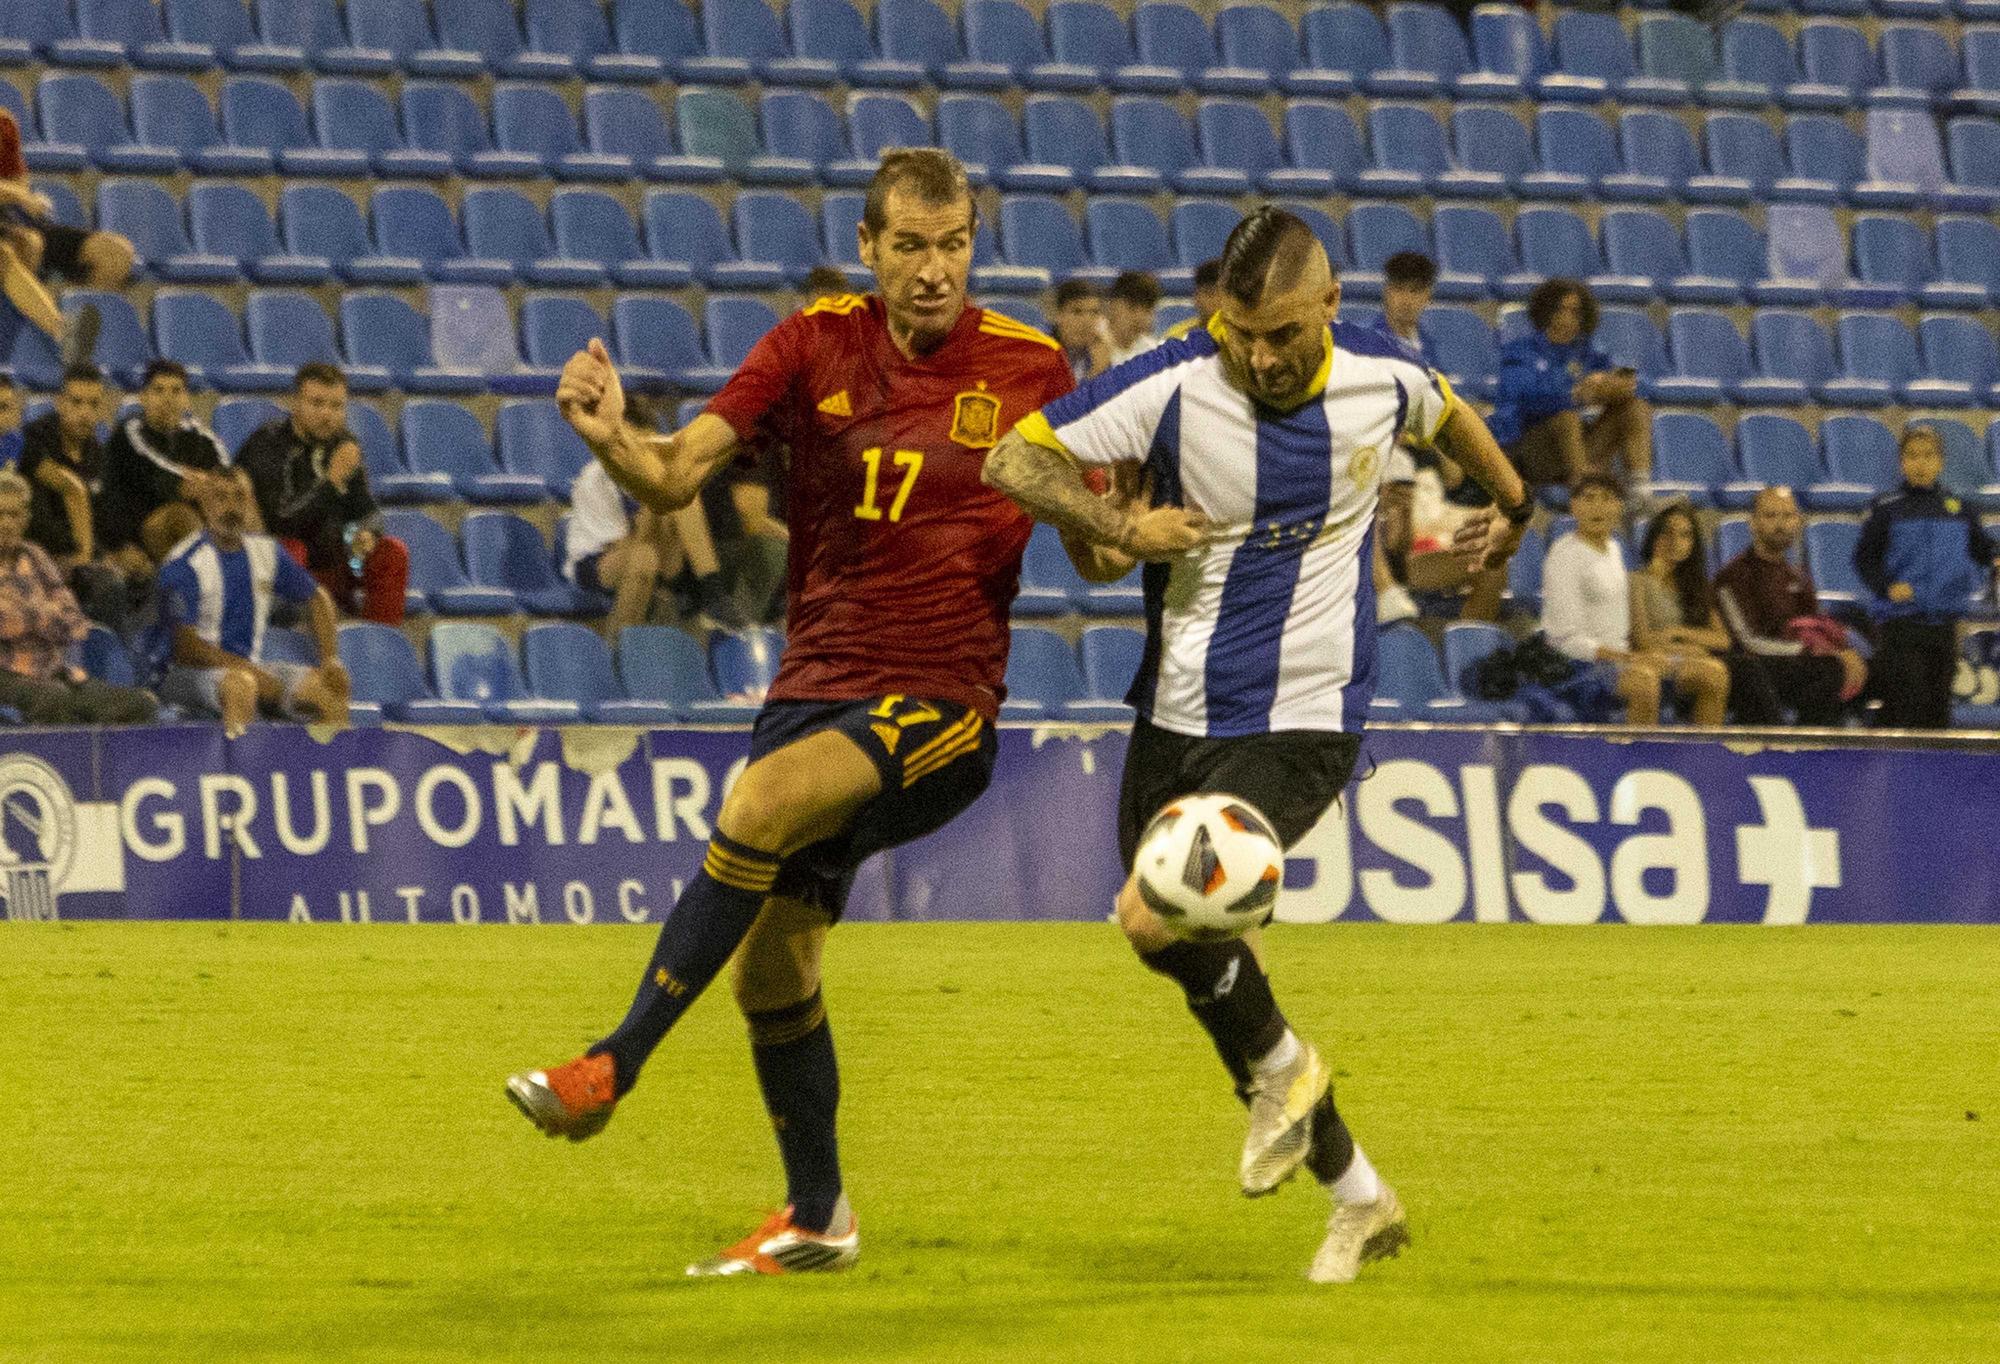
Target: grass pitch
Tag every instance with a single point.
(278, 1143)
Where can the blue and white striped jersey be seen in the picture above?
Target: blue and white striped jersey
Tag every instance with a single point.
(1270, 624)
(227, 597)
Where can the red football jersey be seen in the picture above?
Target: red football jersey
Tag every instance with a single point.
(902, 563)
(13, 166)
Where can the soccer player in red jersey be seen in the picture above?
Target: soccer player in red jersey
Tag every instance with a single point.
(879, 727)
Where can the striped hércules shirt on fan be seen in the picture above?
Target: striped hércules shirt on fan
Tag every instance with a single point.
(1270, 624)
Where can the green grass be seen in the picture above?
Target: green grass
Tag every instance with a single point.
(275, 1143)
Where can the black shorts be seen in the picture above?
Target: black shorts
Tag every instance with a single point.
(1291, 777)
(587, 576)
(935, 758)
(62, 250)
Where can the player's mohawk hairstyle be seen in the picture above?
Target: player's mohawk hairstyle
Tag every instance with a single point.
(932, 174)
(1270, 247)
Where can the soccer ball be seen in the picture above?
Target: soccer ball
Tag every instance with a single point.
(1210, 867)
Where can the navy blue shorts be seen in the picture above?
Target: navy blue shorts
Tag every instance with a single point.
(587, 576)
(935, 758)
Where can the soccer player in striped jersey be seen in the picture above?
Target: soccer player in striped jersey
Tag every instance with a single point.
(1259, 662)
(879, 727)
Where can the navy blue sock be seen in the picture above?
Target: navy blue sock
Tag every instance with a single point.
(1230, 996)
(793, 1049)
(710, 919)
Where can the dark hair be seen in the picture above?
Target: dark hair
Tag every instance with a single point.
(1209, 273)
(1070, 290)
(1914, 433)
(1410, 270)
(318, 372)
(1137, 288)
(1601, 481)
(1549, 295)
(826, 279)
(1269, 241)
(172, 369)
(82, 374)
(1690, 574)
(933, 175)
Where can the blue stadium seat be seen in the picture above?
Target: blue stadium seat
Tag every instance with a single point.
(1038, 231)
(1465, 644)
(745, 662)
(1710, 360)
(29, 32)
(591, 225)
(1126, 234)
(1629, 337)
(1062, 130)
(1110, 655)
(503, 551)
(1236, 135)
(259, 112)
(776, 227)
(833, 31)
(1376, 232)
(1425, 40)
(718, 126)
(1491, 140)
(1462, 345)
(1690, 458)
(1087, 34)
(132, 30)
(1256, 38)
(669, 33)
(1723, 245)
(659, 333)
(1960, 350)
(746, 34)
(627, 124)
(402, 32)
(323, 225)
(1747, 161)
(473, 662)
(1555, 241)
(441, 117)
(532, 439)
(388, 682)
(1506, 41)
(919, 32)
(1408, 673)
(553, 328)
(199, 331)
(1411, 154)
(1919, 65)
(1969, 254)
(568, 662)
(1756, 54)
(1837, 56)
(1980, 48)
(1974, 147)
(1577, 142)
(235, 418)
(1642, 243)
(1173, 37)
(801, 128)
(227, 220)
(170, 112)
(502, 224)
(1892, 260)
(1830, 556)
(123, 348)
(980, 132)
(1778, 451)
(148, 217)
(313, 28)
(1003, 33)
(437, 574)
(414, 223)
(492, 30)
(1904, 161)
(471, 329)
(1320, 139)
(82, 119)
(1593, 57)
(690, 225)
(579, 31)
(352, 115)
(1880, 365)
(288, 329)
(1792, 351)
(733, 325)
(1345, 46)
(1200, 228)
(877, 122)
(1044, 681)
(1050, 585)
(667, 666)
(1677, 54)
(1824, 151)
(1149, 132)
(532, 120)
(448, 454)
(1732, 538)
(1658, 146)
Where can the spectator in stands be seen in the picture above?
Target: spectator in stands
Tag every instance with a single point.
(39, 624)
(1923, 555)
(751, 543)
(28, 229)
(826, 281)
(1207, 298)
(1549, 376)
(1587, 613)
(155, 458)
(616, 547)
(1674, 615)
(1760, 594)
(1408, 277)
(1129, 311)
(11, 439)
(63, 460)
(1078, 319)
(216, 593)
(313, 494)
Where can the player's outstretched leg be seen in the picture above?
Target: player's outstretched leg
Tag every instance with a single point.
(784, 801)
(1277, 1074)
(1367, 1222)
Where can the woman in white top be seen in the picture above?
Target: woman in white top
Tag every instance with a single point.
(1587, 613)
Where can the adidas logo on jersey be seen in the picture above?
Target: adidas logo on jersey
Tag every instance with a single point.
(837, 405)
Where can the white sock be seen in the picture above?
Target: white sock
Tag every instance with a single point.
(1360, 1183)
(1277, 1058)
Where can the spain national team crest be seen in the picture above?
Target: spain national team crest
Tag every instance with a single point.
(975, 419)
(1361, 466)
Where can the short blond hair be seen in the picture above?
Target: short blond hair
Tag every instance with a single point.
(932, 174)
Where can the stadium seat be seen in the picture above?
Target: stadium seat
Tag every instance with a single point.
(447, 452)
(1465, 644)
(1050, 585)
(1758, 61)
(402, 33)
(414, 223)
(1677, 57)
(503, 551)
(113, 32)
(1037, 231)
(1507, 42)
(352, 115)
(1919, 65)
(1629, 337)
(1837, 56)
(1125, 234)
(123, 349)
(1690, 458)
(532, 439)
(81, 119)
(690, 225)
(288, 329)
(733, 325)
(1794, 357)
(1173, 37)
(1235, 134)
(919, 32)
(1061, 130)
(579, 31)
(1961, 351)
(659, 334)
(491, 30)
(1576, 142)
(314, 29)
(1861, 450)
(1778, 451)
(473, 662)
(670, 34)
(1084, 33)
(1892, 260)
(833, 32)
(1463, 347)
(1321, 140)
(228, 33)
(1555, 241)
(440, 117)
(504, 225)
(146, 214)
(1824, 151)
(1980, 49)
(1408, 673)
(626, 125)
(661, 665)
(259, 112)
(1658, 146)
(1376, 232)
(1969, 254)
(1711, 361)
(532, 120)
(171, 113)
(1905, 165)
(745, 662)
(322, 224)
(1491, 140)
(1878, 358)
(387, 680)
(1003, 33)
(199, 331)
(1974, 147)
(1746, 160)
(744, 38)
(801, 128)
(1150, 133)
(1724, 246)
(471, 330)
(980, 132)
(1411, 157)
(1259, 39)
(1732, 538)
(1044, 681)
(235, 418)
(437, 574)
(1593, 57)
(553, 328)
(877, 122)
(1200, 228)
(1642, 243)
(1427, 41)
(1110, 655)
(1830, 556)
(229, 221)
(777, 227)
(718, 126)
(591, 225)
(568, 662)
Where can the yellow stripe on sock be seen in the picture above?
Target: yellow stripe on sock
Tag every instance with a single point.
(741, 878)
(749, 862)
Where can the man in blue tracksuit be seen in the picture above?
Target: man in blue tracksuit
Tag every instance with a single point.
(1548, 376)
(1923, 554)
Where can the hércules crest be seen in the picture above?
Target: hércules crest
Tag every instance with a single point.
(1362, 465)
(975, 419)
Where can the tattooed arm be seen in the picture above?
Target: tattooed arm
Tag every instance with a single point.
(1049, 487)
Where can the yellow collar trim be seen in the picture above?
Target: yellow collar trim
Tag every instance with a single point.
(1218, 329)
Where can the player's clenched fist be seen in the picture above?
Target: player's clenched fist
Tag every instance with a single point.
(1489, 541)
(590, 395)
(1163, 532)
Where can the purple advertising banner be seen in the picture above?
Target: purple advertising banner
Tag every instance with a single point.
(603, 825)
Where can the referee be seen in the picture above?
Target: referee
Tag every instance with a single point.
(1273, 423)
